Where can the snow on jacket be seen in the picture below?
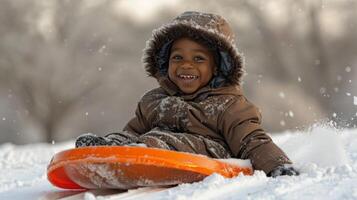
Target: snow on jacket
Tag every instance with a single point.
(218, 111)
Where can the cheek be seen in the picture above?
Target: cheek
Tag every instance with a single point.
(208, 72)
(171, 70)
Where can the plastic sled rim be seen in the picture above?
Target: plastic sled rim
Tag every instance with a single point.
(138, 155)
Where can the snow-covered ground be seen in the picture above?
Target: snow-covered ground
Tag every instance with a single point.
(326, 158)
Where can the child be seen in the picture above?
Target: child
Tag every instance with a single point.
(199, 106)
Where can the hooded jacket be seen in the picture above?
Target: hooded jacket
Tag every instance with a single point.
(219, 111)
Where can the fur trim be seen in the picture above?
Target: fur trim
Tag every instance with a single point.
(189, 28)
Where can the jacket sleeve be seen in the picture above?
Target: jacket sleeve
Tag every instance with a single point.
(137, 125)
(241, 127)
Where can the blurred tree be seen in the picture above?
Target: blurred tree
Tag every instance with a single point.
(52, 68)
(59, 58)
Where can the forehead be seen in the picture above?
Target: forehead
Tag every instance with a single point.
(188, 44)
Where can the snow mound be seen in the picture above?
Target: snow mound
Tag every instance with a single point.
(326, 158)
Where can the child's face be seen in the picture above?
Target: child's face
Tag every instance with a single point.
(191, 65)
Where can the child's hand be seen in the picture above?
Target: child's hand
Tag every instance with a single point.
(283, 171)
(90, 139)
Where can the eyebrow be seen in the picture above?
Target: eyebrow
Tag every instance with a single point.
(197, 50)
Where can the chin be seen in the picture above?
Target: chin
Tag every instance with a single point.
(188, 91)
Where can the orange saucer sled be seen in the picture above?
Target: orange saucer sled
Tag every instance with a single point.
(124, 167)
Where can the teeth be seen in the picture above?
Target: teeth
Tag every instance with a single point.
(188, 76)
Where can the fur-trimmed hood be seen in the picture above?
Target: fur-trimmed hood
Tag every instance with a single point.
(210, 30)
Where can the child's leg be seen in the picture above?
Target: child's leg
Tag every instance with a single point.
(122, 138)
(159, 139)
(184, 142)
(112, 139)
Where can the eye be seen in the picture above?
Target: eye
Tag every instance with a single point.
(199, 59)
(176, 57)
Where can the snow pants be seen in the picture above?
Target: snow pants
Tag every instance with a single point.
(162, 139)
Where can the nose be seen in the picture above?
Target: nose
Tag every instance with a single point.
(186, 64)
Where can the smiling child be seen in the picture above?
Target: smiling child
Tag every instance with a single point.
(199, 106)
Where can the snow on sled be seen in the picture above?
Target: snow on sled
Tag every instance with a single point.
(127, 167)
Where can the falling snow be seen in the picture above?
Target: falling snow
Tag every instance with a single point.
(102, 49)
(291, 113)
(282, 95)
(282, 123)
(348, 69)
(322, 90)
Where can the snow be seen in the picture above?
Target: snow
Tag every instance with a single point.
(326, 158)
(237, 162)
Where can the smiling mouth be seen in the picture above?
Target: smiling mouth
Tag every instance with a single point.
(187, 77)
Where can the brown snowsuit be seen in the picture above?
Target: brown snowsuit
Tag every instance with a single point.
(217, 120)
